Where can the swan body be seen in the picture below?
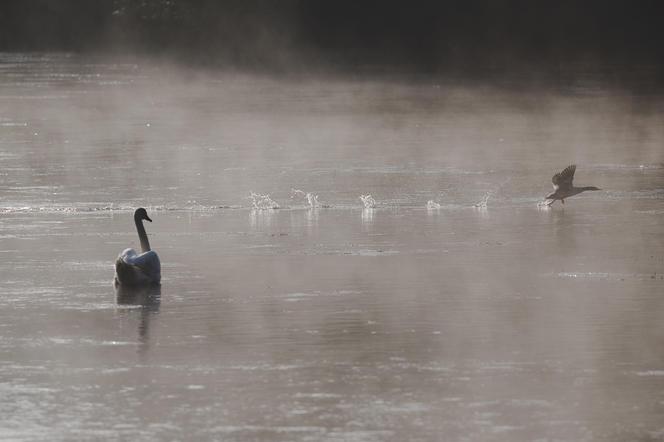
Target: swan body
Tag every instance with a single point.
(133, 268)
(563, 186)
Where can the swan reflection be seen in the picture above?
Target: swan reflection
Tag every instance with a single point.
(148, 296)
(149, 299)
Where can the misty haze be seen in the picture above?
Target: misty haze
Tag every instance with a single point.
(353, 234)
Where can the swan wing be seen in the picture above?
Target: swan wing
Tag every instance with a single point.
(134, 268)
(127, 255)
(563, 180)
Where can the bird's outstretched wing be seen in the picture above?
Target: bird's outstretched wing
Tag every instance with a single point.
(563, 180)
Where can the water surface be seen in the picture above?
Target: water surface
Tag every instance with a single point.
(337, 322)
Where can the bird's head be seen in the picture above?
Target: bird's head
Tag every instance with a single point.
(141, 214)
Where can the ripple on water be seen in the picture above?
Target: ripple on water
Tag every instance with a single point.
(40, 342)
(371, 252)
(650, 373)
(303, 296)
(605, 276)
(634, 194)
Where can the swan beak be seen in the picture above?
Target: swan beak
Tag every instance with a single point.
(147, 218)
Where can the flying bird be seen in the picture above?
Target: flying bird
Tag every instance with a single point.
(563, 186)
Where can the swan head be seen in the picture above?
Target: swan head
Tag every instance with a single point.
(141, 214)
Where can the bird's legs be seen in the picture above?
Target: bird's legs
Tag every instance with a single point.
(562, 201)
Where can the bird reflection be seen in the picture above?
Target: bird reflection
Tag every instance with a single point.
(565, 231)
(149, 299)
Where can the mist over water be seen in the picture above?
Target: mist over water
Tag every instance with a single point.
(342, 259)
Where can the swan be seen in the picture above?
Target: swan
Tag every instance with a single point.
(131, 268)
(563, 186)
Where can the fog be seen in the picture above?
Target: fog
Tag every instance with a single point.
(213, 137)
(445, 302)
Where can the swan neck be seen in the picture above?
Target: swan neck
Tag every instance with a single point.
(145, 244)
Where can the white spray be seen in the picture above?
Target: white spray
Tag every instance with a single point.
(368, 201)
(311, 198)
(262, 202)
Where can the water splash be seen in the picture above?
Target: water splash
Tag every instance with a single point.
(483, 204)
(312, 199)
(432, 205)
(368, 201)
(262, 202)
(485, 200)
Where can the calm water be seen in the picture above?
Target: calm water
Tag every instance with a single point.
(336, 323)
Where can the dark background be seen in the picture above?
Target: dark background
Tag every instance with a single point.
(473, 37)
